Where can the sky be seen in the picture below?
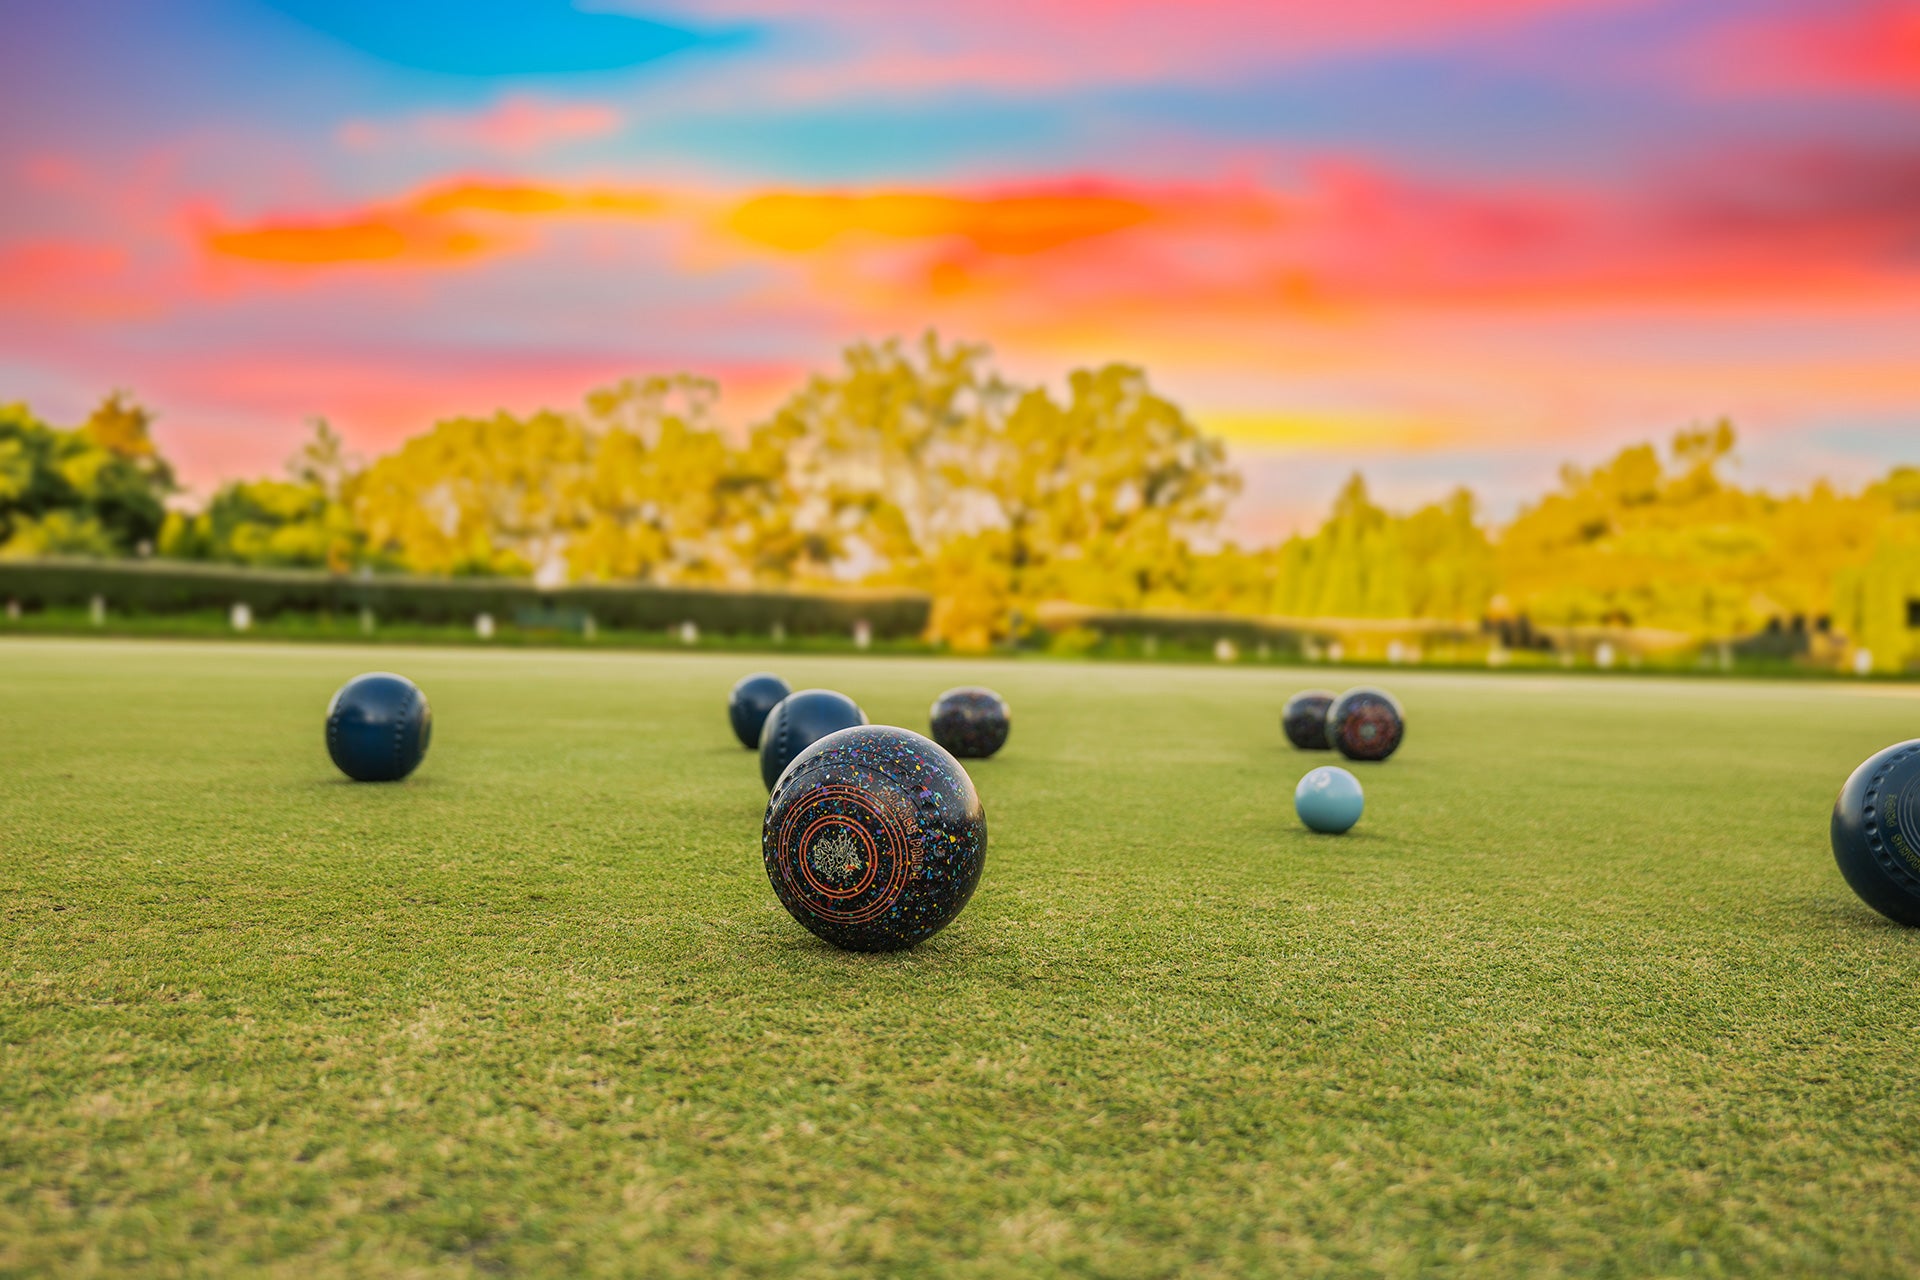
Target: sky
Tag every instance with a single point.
(1442, 243)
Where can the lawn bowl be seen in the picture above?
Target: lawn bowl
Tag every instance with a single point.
(874, 838)
(799, 720)
(749, 703)
(1304, 719)
(1366, 724)
(1876, 832)
(1329, 800)
(378, 727)
(971, 722)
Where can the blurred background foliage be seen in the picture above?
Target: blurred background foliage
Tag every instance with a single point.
(920, 465)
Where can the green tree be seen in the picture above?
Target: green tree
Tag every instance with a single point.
(302, 521)
(98, 489)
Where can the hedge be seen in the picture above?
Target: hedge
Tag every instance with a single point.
(163, 586)
(1281, 635)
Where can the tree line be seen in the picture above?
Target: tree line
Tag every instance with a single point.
(919, 464)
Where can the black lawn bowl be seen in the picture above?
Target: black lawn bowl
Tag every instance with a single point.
(1876, 832)
(1365, 724)
(1304, 719)
(874, 838)
(971, 722)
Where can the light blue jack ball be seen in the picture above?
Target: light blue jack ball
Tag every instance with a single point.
(1329, 799)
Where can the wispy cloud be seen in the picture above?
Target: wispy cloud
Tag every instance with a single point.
(1845, 49)
(1343, 233)
(447, 222)
(517, 125)
(862, 45)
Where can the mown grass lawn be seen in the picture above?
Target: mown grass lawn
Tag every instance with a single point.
(1582, 994)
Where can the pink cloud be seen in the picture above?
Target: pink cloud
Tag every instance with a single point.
(1759, 227)
(515, 125)
(1040, 44)
(226, 413)
(1844, 48)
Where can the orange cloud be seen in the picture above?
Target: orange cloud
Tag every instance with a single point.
(532, 200)
(434, 225)
(1009, 224)
(375, 239)
(1340, 237)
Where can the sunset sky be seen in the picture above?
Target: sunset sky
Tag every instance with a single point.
(1441, 242)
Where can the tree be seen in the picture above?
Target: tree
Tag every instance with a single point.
(98, 489)
(640, 486)
(1340, 570)
(323, 462)
(876, 462)
(666, 499)
(921, 466)
(1099, 497)
(499, 495)
(302, 521)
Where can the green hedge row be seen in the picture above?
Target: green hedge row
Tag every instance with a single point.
(1281, 635)
(1198, 632)
(161, 587)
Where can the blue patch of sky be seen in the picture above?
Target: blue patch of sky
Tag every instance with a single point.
(867, 141)
(1452, 117)
(500, 37)
(1426, 113)
(112, 76)
(1891, 437)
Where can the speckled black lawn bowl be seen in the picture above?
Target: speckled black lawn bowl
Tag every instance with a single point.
(971, 722)
(1365, 724)
(874, 838)
(750, 701)
(1304, 719)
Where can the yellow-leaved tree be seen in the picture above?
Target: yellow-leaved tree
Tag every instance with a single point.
(1673, 543)
(877, 464)
(1101, 495)
(919, 466)
(666, 498)
(499, 495)
(1367, 562)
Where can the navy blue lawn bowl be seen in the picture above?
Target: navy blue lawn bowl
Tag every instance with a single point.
(1876, 832)
(797, 722)
(1304, 719)
(747, 706)
(378, 727)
